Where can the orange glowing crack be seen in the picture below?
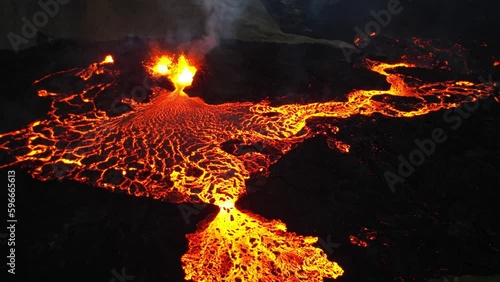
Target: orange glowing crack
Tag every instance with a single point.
(171, 148)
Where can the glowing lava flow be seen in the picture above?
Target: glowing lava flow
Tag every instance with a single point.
(173, 148)
(243, 247)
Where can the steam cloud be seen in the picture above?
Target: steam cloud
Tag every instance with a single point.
(221, 16)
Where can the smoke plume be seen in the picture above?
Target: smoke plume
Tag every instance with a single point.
(221, 16)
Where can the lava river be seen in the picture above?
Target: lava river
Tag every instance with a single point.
(180, 149)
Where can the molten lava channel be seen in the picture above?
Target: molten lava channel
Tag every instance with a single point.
(171, 149)
(238, 246)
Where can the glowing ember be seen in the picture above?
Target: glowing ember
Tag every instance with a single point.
(339, 145)
(358, 242)
(171, 149)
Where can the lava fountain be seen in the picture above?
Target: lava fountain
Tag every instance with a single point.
(171, 148)
(180, 72)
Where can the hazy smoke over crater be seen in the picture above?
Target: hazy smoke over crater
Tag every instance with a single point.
(221, 16)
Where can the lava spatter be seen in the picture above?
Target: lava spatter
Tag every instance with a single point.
(180, 71)
(171, 148)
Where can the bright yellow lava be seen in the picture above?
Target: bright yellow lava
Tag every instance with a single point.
(108, 60)
(180, 72)
(183, 73)
(161, 67)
